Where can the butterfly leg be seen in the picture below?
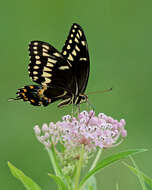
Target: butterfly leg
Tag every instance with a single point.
(77, 109)
(90, 105)
(72, 110)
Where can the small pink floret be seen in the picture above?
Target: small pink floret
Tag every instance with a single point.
(45, 127)
(124, 133)
(37, 130)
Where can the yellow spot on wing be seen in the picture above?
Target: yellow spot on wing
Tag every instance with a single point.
(37, 57)
(35, 72)
(46, 54)
(78, 35)
(35, 52)
(47, 69)
(75, 26)
(64, 53)
(35, 78)
(83, 59)
(80, 32)
(46, 47)
(45, 74)
(38, 62)
(63, 67)
(36, 43)
(76, 40)
(45, 50)
(57, 54)
(70, 57)
(49, 65)
(36, 67)
(83, 43)
(74, 53)
(52, 60)
(77, 48)
(68, 47)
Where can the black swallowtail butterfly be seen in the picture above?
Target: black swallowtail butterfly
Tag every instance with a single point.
(61, 76)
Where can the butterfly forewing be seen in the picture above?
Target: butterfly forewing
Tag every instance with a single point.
(75, 51)
(48, 66)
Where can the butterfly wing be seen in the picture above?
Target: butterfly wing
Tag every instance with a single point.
(75, 51)
(42, 95)
(49, 67)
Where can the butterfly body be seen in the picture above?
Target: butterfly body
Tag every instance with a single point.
(60, 75)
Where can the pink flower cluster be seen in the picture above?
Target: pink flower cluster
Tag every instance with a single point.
(92, 131)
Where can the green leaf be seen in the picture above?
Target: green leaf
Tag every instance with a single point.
(117, 187)
(54, 161)
(140, 177)
(147, 179)
(28, 183)
(107, 161)
(59, 182)
(90, 184)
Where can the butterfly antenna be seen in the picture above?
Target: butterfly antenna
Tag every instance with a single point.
(100, 91)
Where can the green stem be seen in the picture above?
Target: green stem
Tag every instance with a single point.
(96, 159)
(54, 161)
(79, 166)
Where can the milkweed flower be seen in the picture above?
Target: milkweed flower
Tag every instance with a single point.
(87, 129)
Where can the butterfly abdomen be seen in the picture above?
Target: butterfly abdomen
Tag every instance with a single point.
(34, 94)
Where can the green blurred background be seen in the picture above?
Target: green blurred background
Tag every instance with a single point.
(119, 35)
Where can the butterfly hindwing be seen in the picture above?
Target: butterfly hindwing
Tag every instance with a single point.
(75, 51)
(48, 66)
(41, 95)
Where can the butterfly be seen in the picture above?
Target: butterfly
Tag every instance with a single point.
(59, 75)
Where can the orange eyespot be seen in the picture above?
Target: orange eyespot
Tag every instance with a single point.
(31, 86)
(32, 100)
(23, 94)
(24, 90)
(40, 92)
